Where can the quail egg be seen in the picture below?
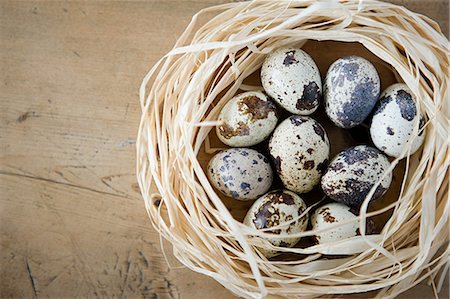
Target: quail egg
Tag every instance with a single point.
(352, 174)
(275, 209)
(291, 77)
(300, 150)
(240, 173)
(248, 119)
(330, 215)
(394, 119)
(351, 90)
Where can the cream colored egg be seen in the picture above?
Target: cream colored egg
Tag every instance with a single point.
(300, 150)
(291, 77)
(328, 216)
(394, 121)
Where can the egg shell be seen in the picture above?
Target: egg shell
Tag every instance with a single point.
(394, 120)
(352, 174)
(300, 150)
(328, 216)
(240, 173)
(351, 90)
(248, 119)
(273, 209)
(291, 77)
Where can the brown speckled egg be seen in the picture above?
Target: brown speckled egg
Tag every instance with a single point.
(352, 174)
(291, 77)
(328, 216)
(276, 208)
(300, 150)
(248, 119)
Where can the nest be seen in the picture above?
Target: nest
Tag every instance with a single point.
(217, 56)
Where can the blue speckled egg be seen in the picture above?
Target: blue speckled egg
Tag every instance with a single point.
(394, 121)
(240, 173)
(351, 90)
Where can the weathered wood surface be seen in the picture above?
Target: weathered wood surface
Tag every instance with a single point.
(72, 220)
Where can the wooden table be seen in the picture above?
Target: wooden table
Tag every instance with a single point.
(72, 220)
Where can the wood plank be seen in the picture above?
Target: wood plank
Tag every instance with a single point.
(58, 240)
(73, 223)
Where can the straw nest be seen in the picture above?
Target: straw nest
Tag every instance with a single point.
(182, 95)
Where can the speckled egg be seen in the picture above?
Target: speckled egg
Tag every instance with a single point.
(248, 119)
(274, 209)
(351, 90)
(330, 215)
(240, 173)
(352, 174)
(394, 119)
(300, 150)
(291, 77)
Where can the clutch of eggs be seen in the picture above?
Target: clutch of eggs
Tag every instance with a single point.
(300, 148)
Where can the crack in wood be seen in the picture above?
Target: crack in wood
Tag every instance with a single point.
(32, 279)
(75, 166)
(117, 261)
(62, 183)
(126, 111)
(144, 259)
(23, 117)
(108, 178)
(127, 142)
(125, 283)
(60, 174)
(173, 290)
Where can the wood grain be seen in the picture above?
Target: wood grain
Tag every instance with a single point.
(72, 220)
